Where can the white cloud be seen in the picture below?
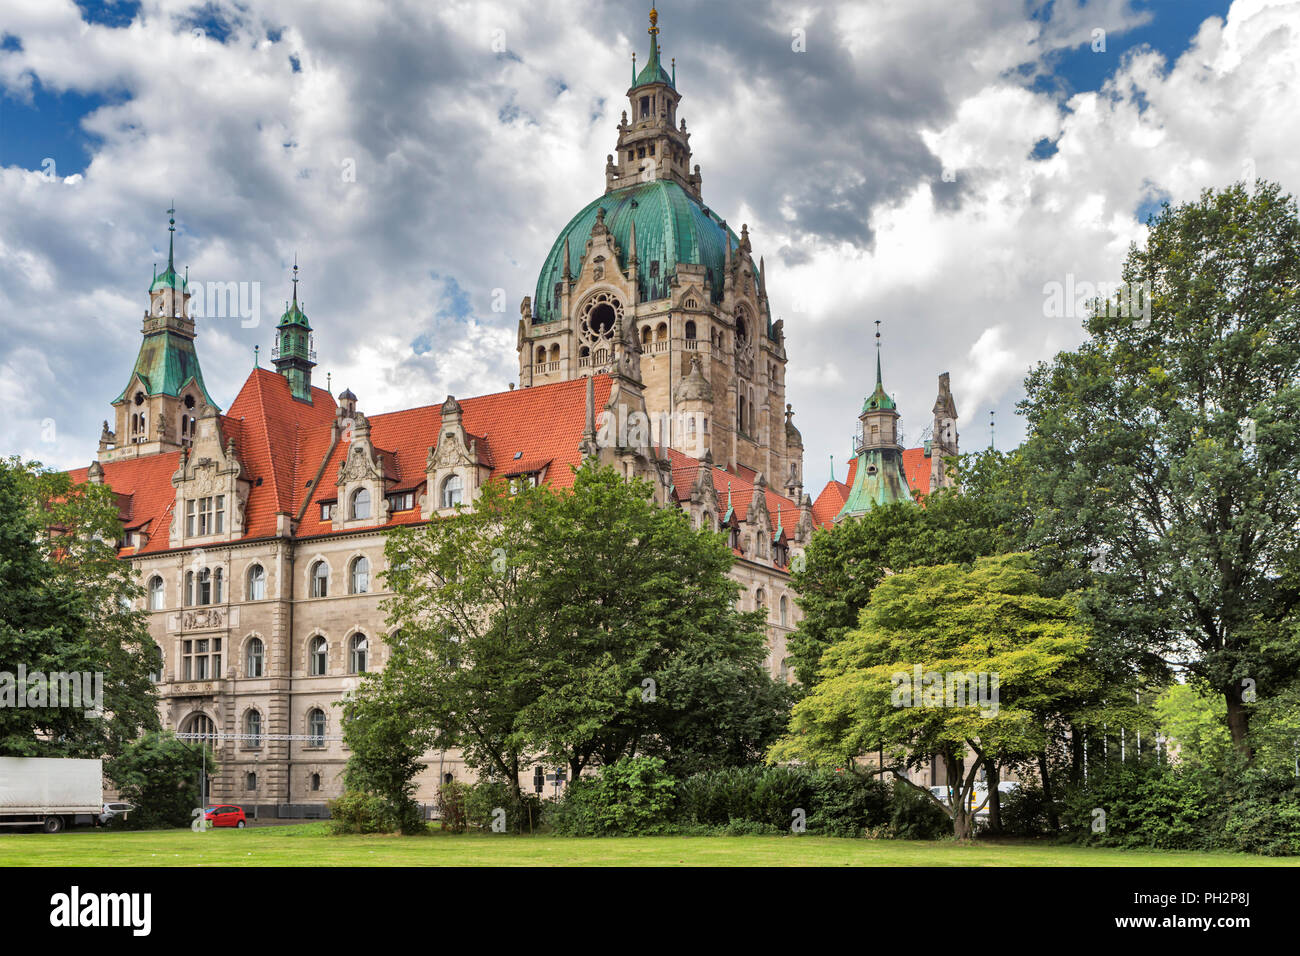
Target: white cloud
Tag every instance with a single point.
(468, 162)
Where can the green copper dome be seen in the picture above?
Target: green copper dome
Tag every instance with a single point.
(671, 228)
(294, 315)
(169, 280)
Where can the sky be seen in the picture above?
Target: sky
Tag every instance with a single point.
(937, 166)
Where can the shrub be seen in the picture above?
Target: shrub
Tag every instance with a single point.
(779, 792)
(1264, 815)
(356, 812)
(750, 828)
(1024, 811)
(484, 799)
(630, 797)
(846, 804)
(716, 797)
(914, 816)
(1148, 804)
(451, 805)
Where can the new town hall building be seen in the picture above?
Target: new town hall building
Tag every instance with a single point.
(258, 531)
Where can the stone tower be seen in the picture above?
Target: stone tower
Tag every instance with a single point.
(649, 253)
(159, 409)
(880, 477)
(943, 436)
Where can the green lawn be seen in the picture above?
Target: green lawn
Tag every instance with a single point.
(310, 845)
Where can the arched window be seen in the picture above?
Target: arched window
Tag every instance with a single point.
(315, 780)
(645, 335)
(254, 658)
(155, 593)
(361, 503)
(706, 521)
(205, 587)
(541, 354)
(690, 329)
(320, 579)
(216, 586)
(357, 654)
(156, 672)
(785, 609)
(451, 491)
(316, 731)
(317, 655)
(250, 781)
(555, 353)
(202, 725)
(253, 729)
(760, 599)
(256, 583)
(661, 333)
(359, 577)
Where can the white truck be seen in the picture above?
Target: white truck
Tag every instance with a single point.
(50, 792)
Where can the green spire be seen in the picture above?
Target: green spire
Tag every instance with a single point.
(293, 356)
(730, 510)
(653, 71)
(169, 279)
(879, 398)
(293, 313)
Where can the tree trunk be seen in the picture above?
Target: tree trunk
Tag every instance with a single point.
(1238, 721)
(1053, 822)
(995, 799)
(960, 800)
(961, 823)
(1076, 756)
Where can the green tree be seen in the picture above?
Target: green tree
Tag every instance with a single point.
(66, 607)
(951, 622)
(580, 626)
(640, 647)
(386, 743)
(1194, 724)
(462, 664)
(986, 515)
(1164, 450)
(159, 776)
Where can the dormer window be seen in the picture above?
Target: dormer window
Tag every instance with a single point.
(205, 516)
(452, 491)
(360, 504)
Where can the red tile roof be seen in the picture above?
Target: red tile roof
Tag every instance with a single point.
(284, 444)
(916, 466)
(284, 447)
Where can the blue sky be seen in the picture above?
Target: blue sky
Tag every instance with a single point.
(469, 161)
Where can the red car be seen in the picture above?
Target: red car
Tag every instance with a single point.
(224, 815)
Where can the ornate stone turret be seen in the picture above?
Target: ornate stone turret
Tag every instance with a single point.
(651, 145)
(943, 436)
(794, 447)
(156, 411)
(880, 477)
(693, 399)
(294, 355)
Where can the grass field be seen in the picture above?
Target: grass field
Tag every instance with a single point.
(310, 845)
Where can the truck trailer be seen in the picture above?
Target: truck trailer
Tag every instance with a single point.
(50, 792)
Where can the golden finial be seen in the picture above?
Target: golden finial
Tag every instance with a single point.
(654, 20)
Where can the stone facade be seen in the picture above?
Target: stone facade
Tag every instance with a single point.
(258, 534)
